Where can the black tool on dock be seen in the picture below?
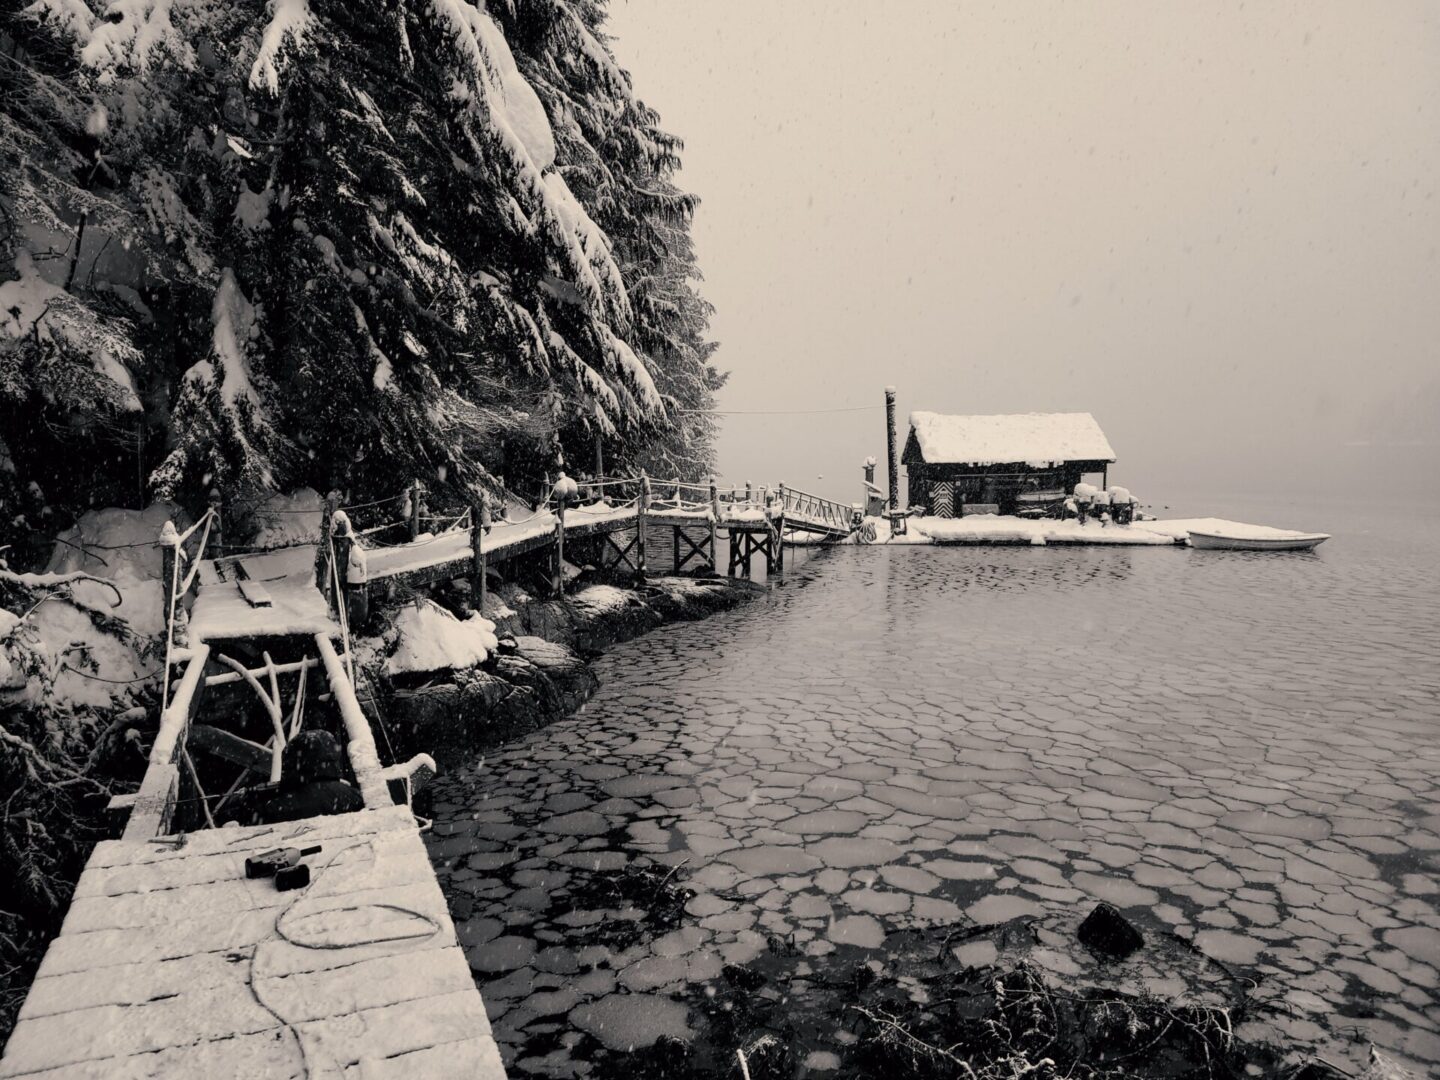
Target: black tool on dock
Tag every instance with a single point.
(283, 864)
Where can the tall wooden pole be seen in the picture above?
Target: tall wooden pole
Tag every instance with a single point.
(897, 523)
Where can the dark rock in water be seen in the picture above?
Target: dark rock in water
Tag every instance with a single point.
(1106, 931)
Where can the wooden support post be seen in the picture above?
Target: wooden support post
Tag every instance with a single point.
(342, 535)
(641, 511)
(417, 500)
(169, 545)
(675, 541)
(217, 527)
(599, 460)
(778, 564)
(479, 526)
(714, 523)
(559, 581)
(322, 550)
(360, 747)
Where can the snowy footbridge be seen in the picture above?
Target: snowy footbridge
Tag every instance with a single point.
(607, 520)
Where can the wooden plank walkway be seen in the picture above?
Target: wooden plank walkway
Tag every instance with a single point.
(450, 554)
(171, 963)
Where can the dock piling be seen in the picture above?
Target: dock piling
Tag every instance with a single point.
(714, 523)
(479, 526)
(641, 511)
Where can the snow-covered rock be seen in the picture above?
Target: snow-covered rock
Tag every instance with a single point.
(430, 639)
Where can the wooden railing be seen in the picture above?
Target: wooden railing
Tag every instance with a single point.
(814, 509)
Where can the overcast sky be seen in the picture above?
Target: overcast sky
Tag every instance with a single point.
(1213, 226)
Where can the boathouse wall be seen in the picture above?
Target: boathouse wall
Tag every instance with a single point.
(947, 488)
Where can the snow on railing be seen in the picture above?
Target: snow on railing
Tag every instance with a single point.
(817, 510)
(173, 554)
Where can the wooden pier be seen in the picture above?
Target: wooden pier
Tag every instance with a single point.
(172, 963)
(607, 524)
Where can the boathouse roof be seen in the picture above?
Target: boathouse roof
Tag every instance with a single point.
(1038, 440)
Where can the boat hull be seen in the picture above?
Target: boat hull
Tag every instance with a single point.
(1299, 542)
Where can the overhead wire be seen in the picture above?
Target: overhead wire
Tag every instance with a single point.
(780, 412)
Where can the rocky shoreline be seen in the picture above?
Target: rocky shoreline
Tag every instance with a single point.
(540, 673)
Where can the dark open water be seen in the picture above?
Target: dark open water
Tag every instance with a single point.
(1242, 748)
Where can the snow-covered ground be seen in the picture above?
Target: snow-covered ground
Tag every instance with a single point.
(994, 529)
(58, 656)
(430, 639)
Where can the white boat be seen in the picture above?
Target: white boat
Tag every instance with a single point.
(1284, 542)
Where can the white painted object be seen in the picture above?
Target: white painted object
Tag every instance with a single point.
(1222, 542)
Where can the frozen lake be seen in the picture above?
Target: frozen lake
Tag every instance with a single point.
(1239, 747)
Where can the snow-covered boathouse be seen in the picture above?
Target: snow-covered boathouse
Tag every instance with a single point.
(997, 464)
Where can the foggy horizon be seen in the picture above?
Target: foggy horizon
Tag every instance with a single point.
(1215, 231)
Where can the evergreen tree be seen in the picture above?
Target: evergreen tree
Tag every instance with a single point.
(336, 243)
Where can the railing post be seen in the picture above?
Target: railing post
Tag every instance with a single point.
(479, 526)
(559, 583)
(777, 540)
(641, 510)
(217, 527)
(322, 550)
(749, 494)
(714, 524)
(342, 535)
(169, 545)
(417, 499)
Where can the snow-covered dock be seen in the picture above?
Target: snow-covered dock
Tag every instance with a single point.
(172, 963)
(994, 529)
